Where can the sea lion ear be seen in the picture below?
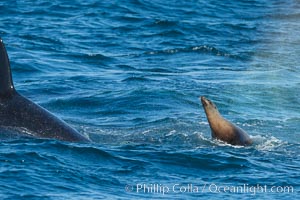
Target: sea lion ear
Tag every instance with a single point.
(214, 105)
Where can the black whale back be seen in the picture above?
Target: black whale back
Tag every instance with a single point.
(17, 111)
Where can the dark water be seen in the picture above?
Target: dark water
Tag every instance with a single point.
(128, 75)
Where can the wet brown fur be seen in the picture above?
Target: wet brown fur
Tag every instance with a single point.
(221, 128)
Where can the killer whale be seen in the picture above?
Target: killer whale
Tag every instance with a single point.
(16, 111)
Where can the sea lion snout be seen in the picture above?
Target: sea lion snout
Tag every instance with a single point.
(204, 101)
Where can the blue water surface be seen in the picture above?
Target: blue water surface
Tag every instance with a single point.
(128, 74)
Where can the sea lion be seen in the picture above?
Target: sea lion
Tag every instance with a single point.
(221, 128)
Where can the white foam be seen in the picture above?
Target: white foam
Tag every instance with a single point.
(203, 123)
(171, 133)
(265, 143)
(222, 143)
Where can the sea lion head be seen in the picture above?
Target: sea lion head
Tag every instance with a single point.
(210, 108)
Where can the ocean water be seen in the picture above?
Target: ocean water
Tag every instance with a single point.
(128, 75)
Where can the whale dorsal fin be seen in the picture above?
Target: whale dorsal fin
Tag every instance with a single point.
(6, 82)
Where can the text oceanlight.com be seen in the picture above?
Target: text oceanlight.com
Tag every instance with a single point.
(143, 188)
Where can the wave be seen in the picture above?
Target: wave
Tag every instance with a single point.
(267, 143)
(137, 79)
(203, 49)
